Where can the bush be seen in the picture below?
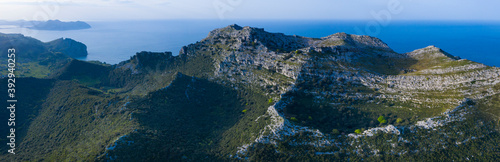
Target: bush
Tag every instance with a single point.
(399, 120)
(294, 119)
(381, 120)
(270, 101)
(357, 131)
(335, 132)
(244, 111)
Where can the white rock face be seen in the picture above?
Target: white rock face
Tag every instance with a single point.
(370, 132)
(456, 114)
(464, 68)
(430, 52)
(429, 124)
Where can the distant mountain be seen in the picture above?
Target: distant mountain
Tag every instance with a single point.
(59, 25)
(69, 47)
(244, 94)
(39, 59)
(48, 25)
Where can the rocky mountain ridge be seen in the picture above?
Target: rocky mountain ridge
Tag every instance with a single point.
(246, 94)
(449, 79)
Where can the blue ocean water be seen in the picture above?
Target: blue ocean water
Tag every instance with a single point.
(115, 41)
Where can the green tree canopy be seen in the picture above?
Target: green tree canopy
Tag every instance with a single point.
(399, 120)
(335, 132)
(381, 120)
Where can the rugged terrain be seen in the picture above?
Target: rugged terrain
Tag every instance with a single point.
(246, 94)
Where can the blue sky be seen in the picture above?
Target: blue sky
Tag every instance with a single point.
(475, 10)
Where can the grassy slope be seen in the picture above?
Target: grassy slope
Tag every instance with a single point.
(73, 123)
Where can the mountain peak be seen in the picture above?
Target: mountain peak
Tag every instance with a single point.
(353, 40)
(235, 26)
(233, 30)
(431, 52)
(56, 20)
(433, 48)
(236, 37)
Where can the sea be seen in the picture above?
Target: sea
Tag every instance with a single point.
(116, 41)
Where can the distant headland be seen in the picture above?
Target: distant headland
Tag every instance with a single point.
(49, 25)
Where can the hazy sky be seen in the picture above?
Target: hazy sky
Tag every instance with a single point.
(250, 9)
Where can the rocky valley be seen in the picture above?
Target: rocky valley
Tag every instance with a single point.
(244, 94)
